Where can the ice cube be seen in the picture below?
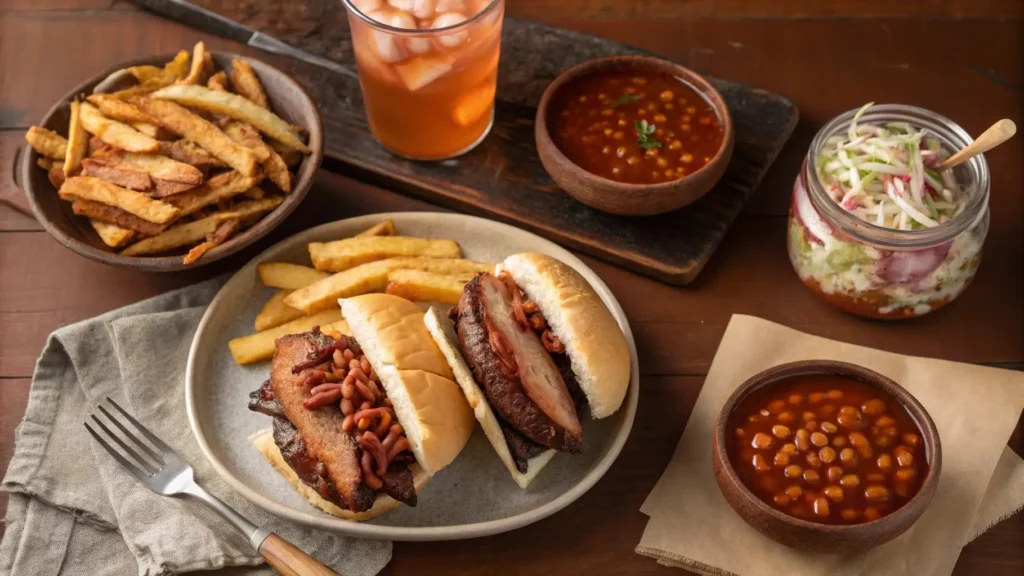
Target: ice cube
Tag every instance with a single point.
(403, 5)
(451, 39)
(367, 6)
(384, 43)
(451, 6)
(422, 70)
(425, 9)
(402, 20)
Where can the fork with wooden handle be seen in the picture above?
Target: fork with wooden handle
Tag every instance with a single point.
(164, 472)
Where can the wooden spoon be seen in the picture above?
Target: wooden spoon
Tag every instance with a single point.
(996, 134)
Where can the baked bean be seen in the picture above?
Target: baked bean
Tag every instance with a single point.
(754, 418)
(901, 488)
(906, 474)
(849, 514)
(812, 477)
(829, 428)
(819, 439)
(873, 407)
(762, 441)
(798, 511)
(793, 471)
(785, 417)
(890, 432)
(816, 397)
(834, 473)
(740, 433)
(875, 478)
(849, 481)
(802, 439)
(834, 394)
(849, 417)
(903, 456)
(781, 499)
(848, 456)
(911, 439)
(794, 491)
(827, 410)
(875, 493)
(871, 514)
(885, 422)
(810, 497)
(796, 398)
(834, 493)
(827, 454)
(760, 463)
(781, 432)
(813, 460)
(884, 463)
(883, 441)
(839, 441)
(808, 416)
(861, 445)
(788, 448)
(811, 425)
(776, 406)
(821, 506)
(781, 458)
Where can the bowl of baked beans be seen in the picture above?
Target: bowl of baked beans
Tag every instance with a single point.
(826, 456)
(633, 135)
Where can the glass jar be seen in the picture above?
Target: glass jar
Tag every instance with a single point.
(879, 272)
(428, 72)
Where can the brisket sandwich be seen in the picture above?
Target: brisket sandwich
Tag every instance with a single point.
(362, 422)
(533, 348)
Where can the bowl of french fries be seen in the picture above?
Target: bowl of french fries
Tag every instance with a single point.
(172, 162)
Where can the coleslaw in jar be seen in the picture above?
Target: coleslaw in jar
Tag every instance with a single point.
(875, 228)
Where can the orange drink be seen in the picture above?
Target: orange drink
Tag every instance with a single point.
(428, 70)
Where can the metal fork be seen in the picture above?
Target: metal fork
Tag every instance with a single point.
(163, 471)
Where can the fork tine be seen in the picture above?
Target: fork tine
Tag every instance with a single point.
(141, 462)
(145, 431)
(156, 457)
(135, 470)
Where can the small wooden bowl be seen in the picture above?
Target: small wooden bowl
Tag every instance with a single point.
(619, 197)
(812, 536)
(287, 99)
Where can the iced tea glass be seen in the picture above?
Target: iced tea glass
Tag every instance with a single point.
(428, 70)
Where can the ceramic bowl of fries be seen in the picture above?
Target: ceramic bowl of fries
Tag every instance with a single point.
(172, 162)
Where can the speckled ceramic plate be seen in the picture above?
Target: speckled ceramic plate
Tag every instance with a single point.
(475, 495)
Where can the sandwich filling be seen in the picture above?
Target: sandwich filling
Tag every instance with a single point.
(334, 423)
(521, 366)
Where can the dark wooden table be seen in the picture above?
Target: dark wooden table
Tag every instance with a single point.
(962, 58)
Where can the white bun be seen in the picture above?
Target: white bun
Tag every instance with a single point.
(428, 403)
(264, 442)
(593, 340)
(441, 329)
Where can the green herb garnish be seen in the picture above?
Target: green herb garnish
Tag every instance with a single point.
(624, 99)
(645, 135)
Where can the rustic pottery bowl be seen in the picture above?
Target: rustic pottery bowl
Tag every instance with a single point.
(287, 99)
(812, 536)
(619, 197)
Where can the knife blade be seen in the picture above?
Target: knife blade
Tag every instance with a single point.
(202, 19)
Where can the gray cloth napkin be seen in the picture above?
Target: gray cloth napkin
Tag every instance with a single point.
(73, 510)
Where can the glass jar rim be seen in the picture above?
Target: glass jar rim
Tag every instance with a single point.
(949, 134)
(414, 33)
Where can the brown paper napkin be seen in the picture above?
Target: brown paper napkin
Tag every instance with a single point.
(982, 482)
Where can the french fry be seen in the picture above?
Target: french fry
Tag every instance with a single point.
(117, 109)
(371, 277)
(174, 237)
(291, 156)
(385, 228)
(234, 106)
(90, 188)
(247, 84)
(155, 165)
(344, 254)
(178, 67)
(111, 234)
(275, 312)
(220, 187)
(260, 346)
(192, 127)
(117, 134)
(254, 193)
(245, 210)
(420, 286)
(56, 175)
(47, 143)
(78, 141)
(123, 176)
(146, 73)
(218, 82)
(44, 163)
(190, 153)
(115, 216)
(151, 130)
(195, 73)
(226, 230)
(163, 189)
(273, 165)
(288, 276)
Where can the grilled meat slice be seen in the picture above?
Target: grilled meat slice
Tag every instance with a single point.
(320, 429)
(398, 483)
(505, 389)
(262, 400)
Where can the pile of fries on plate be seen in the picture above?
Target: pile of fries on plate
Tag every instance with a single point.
(186, 157)
(375, 260)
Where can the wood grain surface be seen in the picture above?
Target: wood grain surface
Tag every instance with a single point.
(801, 48)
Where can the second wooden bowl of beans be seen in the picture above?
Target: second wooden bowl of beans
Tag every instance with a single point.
(826, 456)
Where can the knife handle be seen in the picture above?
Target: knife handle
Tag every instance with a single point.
(289, 560)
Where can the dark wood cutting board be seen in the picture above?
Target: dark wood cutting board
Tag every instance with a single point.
(503, 178)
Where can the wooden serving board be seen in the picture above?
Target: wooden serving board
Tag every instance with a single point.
(503, 178)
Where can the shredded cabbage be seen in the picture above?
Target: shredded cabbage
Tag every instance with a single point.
(886, 175)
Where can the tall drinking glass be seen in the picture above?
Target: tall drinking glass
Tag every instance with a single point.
(428, 70)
